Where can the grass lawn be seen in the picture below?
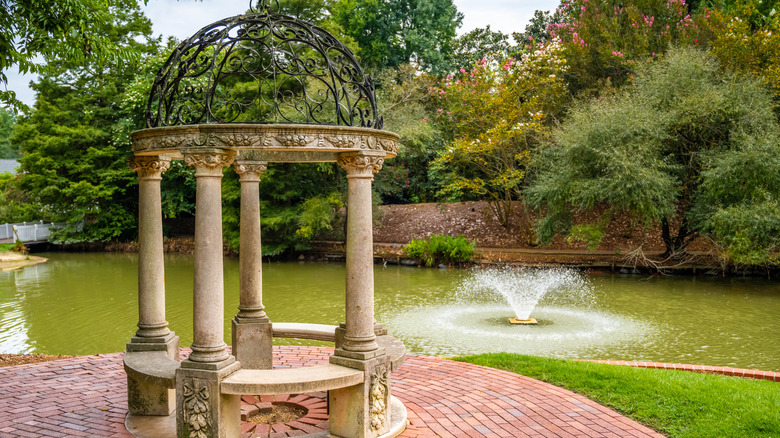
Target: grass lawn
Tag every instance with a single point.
(675, 403)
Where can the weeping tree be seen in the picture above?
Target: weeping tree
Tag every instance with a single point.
(686, 145)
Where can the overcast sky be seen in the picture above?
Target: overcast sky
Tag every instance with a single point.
(185, 17)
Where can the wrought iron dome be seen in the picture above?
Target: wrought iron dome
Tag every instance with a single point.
(262, 67)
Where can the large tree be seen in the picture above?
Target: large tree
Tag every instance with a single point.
(686, 145)
(71, 31)
(391, 33)
(492, 117)
(75, 141)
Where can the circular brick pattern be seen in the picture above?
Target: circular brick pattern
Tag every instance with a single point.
(315, 420)
(86, 396)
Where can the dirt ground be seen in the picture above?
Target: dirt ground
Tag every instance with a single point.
(475, 220)
(8, 360)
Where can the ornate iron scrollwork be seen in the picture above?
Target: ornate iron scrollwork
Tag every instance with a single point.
(262, 67)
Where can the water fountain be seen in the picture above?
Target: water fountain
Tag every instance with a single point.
(474, 319)
(523, 288)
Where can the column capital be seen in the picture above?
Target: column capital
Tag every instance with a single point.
(249, 171)
(208, 162)
(360, 164)
(149, 167)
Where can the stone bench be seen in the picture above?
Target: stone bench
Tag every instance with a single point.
(299, 330)
(291, 380)
(323, 332)
(151, 382)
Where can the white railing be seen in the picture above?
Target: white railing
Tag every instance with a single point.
(27, 231)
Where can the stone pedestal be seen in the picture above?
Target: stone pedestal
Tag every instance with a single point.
(361, 411)
(202, 411)
(252, 335)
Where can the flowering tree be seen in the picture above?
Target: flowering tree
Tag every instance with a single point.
(492, 116)
(605, 38)
(746, 38)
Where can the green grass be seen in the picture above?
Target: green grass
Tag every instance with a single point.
(6, 246)
(675, 403)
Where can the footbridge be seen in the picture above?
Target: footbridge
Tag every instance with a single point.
(26, 232)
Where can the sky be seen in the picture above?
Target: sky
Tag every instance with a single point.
(182, 18)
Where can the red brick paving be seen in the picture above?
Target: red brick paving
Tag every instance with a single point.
(85, 396)
(706, 369)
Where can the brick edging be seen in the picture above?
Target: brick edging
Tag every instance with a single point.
(707, 369)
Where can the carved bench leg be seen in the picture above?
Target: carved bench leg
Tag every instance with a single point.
(362, 411)
(202, 411)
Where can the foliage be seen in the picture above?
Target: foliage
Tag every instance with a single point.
(675, 403)
(75, 142)
(391, 33)
(663, 149)
(492, 117)
(64, 31)
(7, 121)
(745, 37)
(15, 205)
(480, 43)
(298, 203)
(604, 39)
(402, 96)
(440, 249)
(539, 29)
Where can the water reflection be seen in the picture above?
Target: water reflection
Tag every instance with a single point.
(86, 304)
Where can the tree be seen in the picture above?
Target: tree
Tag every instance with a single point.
(69, 31)
(669, 148)
(745, 37)
(7, 121)
(492, 117)
(604, 39)
(402, 96)
(477, 44)
(76, 140)
(391, 33)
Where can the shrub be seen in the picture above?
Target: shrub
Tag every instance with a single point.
(440, 249)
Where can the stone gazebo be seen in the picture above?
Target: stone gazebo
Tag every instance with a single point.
(246, 91)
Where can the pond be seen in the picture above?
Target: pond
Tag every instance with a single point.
(85, 303)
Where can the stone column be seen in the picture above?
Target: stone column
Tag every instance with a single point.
(361, 167)
(252, 331)
(153, 342)
(208, 343)
(151, 272)
(201, 409)
(360, 411)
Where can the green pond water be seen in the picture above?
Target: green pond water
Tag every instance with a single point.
(85, 303)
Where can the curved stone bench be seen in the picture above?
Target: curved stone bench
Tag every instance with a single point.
(151, 382)
(299, 330)
(291, 380)
(323, 332)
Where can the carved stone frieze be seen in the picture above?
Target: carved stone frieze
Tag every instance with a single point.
(344, 141)
(286, 143)
(148, 167)
(243, 140)
(378, 398)
(360, 166)
(292, 140)
(197, 415)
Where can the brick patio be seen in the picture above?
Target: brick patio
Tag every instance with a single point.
(85, 396)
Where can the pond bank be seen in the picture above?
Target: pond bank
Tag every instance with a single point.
(11, 260)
